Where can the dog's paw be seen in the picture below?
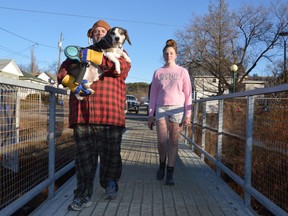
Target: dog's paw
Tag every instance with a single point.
(91, 91)
(87, 85)
(117, 67)
(128, 60)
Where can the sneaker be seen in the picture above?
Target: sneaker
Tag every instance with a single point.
(111, 191)
(79, 203)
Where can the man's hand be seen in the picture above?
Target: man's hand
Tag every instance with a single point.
(186, 121)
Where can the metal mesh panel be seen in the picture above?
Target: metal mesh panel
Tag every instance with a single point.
(234, 133)
(269, 153)
(65, 145)
(24, 153)
(24, 118)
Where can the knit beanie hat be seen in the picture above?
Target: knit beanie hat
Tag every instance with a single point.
(99, 23)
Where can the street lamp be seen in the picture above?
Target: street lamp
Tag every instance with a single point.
(284, 34)
(233, 69)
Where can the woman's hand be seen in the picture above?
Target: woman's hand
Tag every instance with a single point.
(186, 121)
(151, 122)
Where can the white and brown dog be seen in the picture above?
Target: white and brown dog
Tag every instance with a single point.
(112, 47)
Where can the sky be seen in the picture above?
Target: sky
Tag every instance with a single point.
(38, 25)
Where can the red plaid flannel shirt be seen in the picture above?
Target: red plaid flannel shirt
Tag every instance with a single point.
(106, 105)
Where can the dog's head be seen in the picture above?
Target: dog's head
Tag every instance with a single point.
(118, 36)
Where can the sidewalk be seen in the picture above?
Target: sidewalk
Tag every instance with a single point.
(196, 191)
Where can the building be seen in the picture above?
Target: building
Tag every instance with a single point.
(207, 86)
(9, 69)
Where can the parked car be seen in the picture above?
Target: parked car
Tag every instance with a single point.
(133, 104)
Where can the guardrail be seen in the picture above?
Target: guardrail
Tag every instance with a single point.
(36, 144)
(243, 137)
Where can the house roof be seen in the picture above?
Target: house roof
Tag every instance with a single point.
(52, 76)
(3, 63)
(29, 76)
(9, 66)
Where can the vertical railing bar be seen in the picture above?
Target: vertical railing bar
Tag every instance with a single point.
(195, 114)
(51, 140)
(203, 129)
(220, 130)
(248, 148)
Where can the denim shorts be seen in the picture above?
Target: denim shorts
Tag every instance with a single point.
(172, 113)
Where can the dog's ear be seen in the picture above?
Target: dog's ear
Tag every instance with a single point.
(127, 36)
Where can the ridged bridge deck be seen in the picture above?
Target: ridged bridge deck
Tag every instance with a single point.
(197, 191)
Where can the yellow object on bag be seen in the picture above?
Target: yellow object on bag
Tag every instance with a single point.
(89, 55)
(68, 81)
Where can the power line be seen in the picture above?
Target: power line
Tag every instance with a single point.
(71, 15)
(16, 52)
(90, 17)
(36, 43)
(19, 53)
(74, 15)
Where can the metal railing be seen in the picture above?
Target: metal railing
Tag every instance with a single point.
(37, 148)
(243, 137)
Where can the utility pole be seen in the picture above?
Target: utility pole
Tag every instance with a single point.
(58, 67)
(59, 58)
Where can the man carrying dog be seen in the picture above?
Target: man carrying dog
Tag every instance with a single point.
(97, 122)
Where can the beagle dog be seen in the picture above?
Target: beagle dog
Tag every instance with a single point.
(112, 45)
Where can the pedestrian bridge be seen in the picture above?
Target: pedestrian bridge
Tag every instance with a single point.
(197, 191)
(232, 158)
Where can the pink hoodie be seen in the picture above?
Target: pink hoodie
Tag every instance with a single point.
(171, 86)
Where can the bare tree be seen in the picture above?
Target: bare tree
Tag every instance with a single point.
(276, 73)
(53, 67)
(210, 44)
(33, 67)
(23, 67)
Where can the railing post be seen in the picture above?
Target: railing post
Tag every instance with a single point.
(248, 148)
(52, 111)
(203, 129)
(194, 121)
(220, 134)
(186, 134)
